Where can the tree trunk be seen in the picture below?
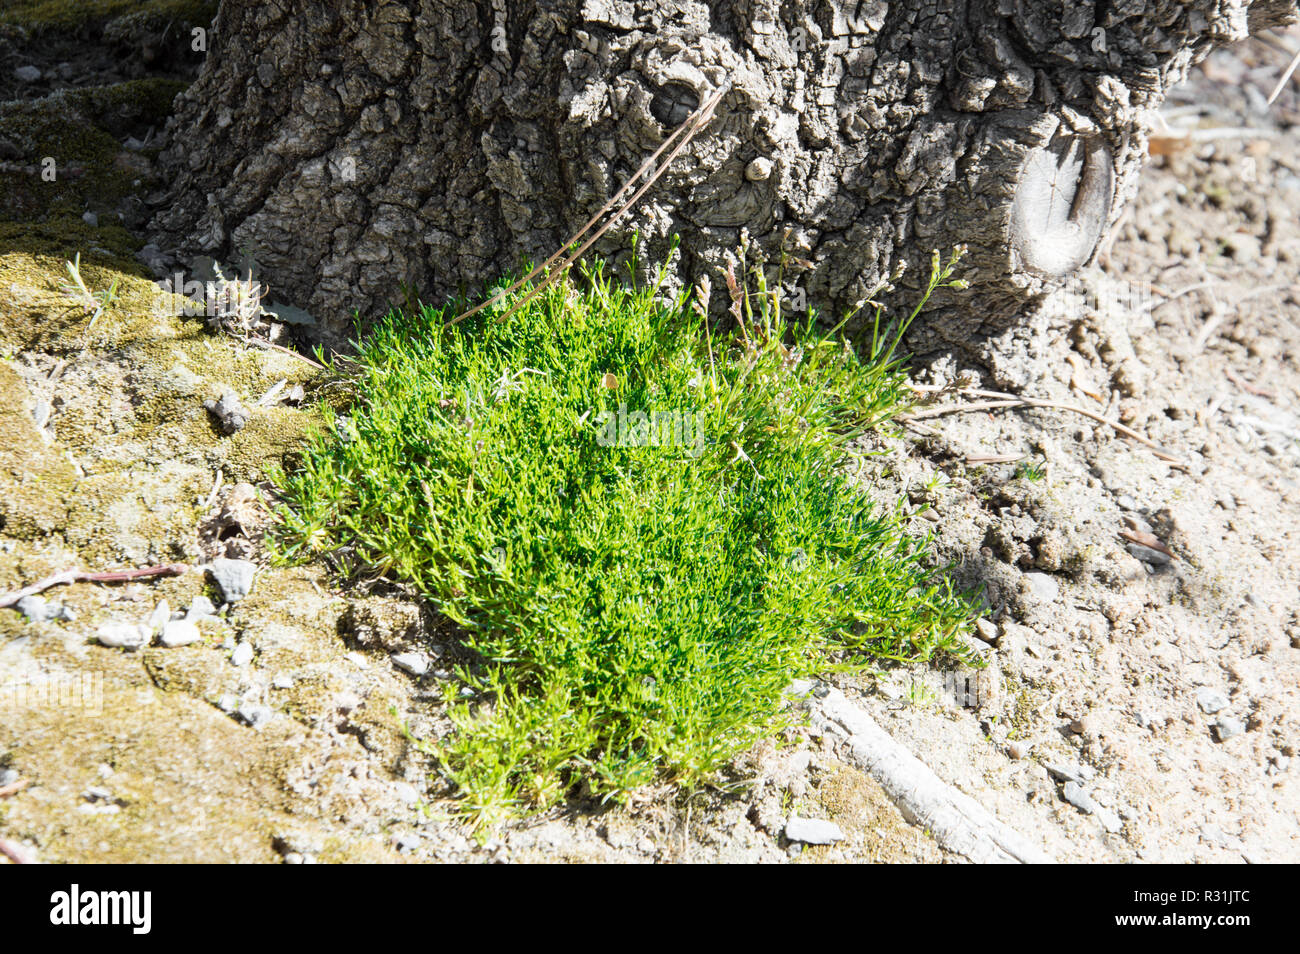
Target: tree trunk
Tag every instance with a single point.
(354, 146)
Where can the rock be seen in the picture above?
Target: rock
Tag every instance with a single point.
(124, 635)
(406, 792)
(255, 716)
(160, 615)
(813, 831)
(282, 682)
(1148, 555)
(1226, 727)
(1075, 794)
(7, 777)
(242, 655)
(1017, 750)
(759, 169)
(91, 219)
(179, 632)
(801, 687)
(39, 610)
(1043, 587)
(1069, 773)
(201, 607)
(417, 664)
(1211, 700)
(986, 630)
(27, 74)
(406, 842)
(234, 577)
(230, 413)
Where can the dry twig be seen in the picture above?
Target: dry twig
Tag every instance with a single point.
(85, 576)
(686, 131)
(1000, 399)
(13, 788)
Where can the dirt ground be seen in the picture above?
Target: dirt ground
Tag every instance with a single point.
(1158, 671)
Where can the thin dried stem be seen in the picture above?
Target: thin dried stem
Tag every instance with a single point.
(686, 131)
(1000, 399)
(86, 576)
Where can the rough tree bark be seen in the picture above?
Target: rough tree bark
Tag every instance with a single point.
(356, 145)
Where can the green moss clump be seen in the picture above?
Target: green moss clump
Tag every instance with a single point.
(644, 527)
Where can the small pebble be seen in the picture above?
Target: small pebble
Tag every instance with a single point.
(160, 615)
(255, 716)
(1227, 727)
(1211, 700)
(282, 682)
(179, 632)
(27, 74)
(1148, 555)
(202, 606)
(417, 664)
(233, 577)
(39, 610)
(813, 831)
(230, 413)
(1074, 793)
(1017, 750)
(90, 218)
(242, 655)
(123, 635)
(1043, 587)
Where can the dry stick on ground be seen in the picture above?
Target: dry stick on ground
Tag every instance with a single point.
(85, 576)
(15, 853)
(1286, 76)
(1001, 399)
(687, 131)
(13, 788)
(258, 342)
